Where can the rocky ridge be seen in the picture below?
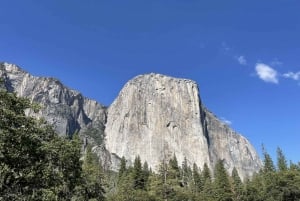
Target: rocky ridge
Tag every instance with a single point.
(154, 116)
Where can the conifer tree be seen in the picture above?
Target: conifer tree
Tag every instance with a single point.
(146, 173)
(122, 169)
(92, 178)
(221, 182)
(237, 185)
(138, 177)
(174, 171)
(268, 162)
(281, 160)
(206, 174)
(198, 182)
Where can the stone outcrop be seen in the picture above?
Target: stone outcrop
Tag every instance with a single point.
(154, 116)
(234, 149)
(157, 116)
(66, 109)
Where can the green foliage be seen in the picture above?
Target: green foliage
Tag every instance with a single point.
(222, 185)
(138, 175)
(281, 161)
(122, 169)
(35, 163)
(237, 185)
(96, 133)
(91, 185)
(268, 162)
(198, 181)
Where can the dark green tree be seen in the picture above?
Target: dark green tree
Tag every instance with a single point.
(206, 174)
(281, 160)
(122, 169)
(146, 173)
(268, 162)
(174, 170)
(221, 183)
(198, 181)
(138, 177)
(91, 186)
(35, 164)
(237, 185)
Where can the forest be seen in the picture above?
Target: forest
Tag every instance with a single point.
(38, 164)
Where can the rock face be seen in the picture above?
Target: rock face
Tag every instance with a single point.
(234, 149)
(154, 116)
(67, 110)
(157, 116)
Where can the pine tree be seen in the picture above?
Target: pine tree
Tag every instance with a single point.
(206, 174)
(268, 162)
(122, 169)
(146, 173)
(198, 182)
(174, 171)
(221, 182)
(281, 160)
(138, 178)
(186, 173)
(208, 190)
(92, 178)
(237, 185)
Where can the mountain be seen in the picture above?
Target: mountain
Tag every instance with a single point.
(154, 116)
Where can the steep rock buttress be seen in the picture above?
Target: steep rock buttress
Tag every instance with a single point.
(157, 116)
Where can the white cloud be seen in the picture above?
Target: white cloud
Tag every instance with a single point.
(242, 60)
(292, 75)
(266, 73)
(226, 121)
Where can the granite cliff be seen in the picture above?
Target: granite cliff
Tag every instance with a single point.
(157, 116)
(154, 116)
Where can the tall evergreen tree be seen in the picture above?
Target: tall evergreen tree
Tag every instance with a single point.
(146, 173)
(198, 181)
(174, 170)
(281, 160)
(208, 189)
(91, 186)
(222, 183)
(122, 169)
(237, 185)
(138, 177)
(268, 162)
(206, 174)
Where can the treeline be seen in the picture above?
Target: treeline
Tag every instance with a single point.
(37, 164)
(185, 183)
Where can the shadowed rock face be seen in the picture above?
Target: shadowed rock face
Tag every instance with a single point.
(67, 110)
(154, 116)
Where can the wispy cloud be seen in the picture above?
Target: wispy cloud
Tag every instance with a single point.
(226, 121)
(276, 62)
(292, 75)
(242, 60)
(231, 52)
(225, 46)
(266, 73)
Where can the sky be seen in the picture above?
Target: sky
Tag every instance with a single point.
(243, 54)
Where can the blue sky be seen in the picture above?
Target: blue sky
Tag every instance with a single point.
(243, 54)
